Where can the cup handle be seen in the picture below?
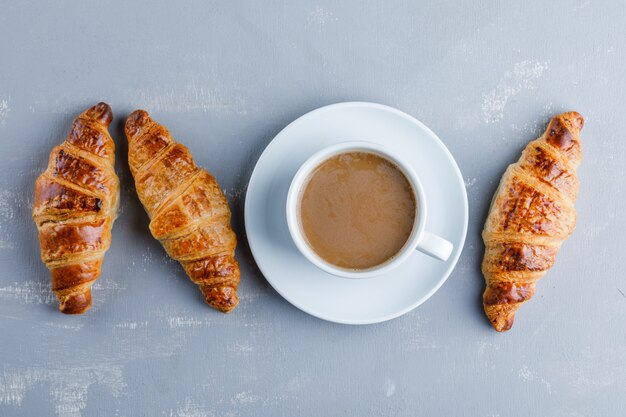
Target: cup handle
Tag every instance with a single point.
(435, 246)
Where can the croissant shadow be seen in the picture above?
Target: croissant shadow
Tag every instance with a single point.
(237, 202)
(27, 182)
(135, 217)
(129, 202)
(482, 210)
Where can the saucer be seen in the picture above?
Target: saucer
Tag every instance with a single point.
(326, 296)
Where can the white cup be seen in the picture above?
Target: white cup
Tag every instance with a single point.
(419, 239)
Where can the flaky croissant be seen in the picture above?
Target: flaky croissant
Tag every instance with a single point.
(76, 202)
(531, 215)
(188, 211)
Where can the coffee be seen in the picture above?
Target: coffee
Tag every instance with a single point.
(357, 210)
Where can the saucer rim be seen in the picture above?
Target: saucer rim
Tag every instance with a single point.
(452, 261)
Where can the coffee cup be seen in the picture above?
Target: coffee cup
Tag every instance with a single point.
(419, 238)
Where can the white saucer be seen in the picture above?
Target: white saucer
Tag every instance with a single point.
(318, 293)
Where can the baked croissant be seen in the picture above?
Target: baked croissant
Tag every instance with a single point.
(76, 202)
(188, 211)
(531, 215)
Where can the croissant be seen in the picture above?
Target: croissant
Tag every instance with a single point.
(76, 202)
(188, 211)
(531, 215)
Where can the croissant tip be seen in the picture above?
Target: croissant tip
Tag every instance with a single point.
(76, 303)
(101, 112)
(139, 113)
(501, 316)
(223, 299)
(502, 323)
(503, 327)
(135, 121)
(575, 118)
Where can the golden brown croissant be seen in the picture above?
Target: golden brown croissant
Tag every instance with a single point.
(76, 202)
(531, 215)
(188, 211)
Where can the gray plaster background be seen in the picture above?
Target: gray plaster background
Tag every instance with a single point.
(225, 77)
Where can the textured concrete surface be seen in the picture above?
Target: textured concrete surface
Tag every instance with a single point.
(225, 77)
